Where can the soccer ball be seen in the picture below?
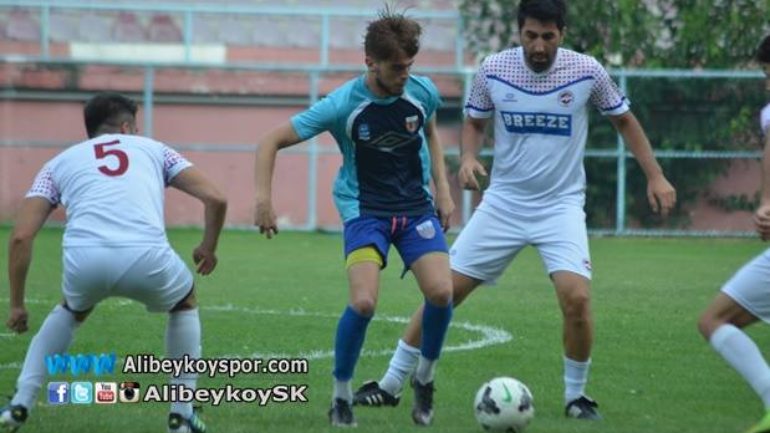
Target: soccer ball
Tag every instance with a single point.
(504, 404)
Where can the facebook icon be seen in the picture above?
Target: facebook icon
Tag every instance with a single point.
(58, 392)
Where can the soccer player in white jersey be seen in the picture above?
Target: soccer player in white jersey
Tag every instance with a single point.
(745, 298)
(384, 122)
(112, 187)
(537, 98)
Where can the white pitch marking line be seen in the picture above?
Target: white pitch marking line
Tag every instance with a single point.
(490, 335)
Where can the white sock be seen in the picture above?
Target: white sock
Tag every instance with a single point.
(426, 369)
(744, 356)
(401, 366)
(183, 337)
(343, 390)
(575, 378)
(53, 337)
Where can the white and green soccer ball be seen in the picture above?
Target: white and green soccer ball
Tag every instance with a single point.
(504, 404)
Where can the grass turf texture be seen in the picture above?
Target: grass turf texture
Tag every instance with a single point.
(651, 372)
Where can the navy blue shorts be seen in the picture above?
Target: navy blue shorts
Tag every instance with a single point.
(413, 237)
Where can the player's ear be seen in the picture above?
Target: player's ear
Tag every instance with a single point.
(128, 128)
(371, 65)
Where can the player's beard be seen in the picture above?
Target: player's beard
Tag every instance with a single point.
(388, 89)
(540, 62)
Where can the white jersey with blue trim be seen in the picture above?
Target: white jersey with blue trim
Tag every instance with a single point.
(386, 164)
(113, 189)
(540, 125)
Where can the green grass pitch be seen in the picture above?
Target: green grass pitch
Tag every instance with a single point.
(651, 370)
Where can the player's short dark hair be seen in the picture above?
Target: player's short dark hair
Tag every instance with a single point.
(763, 51)
(391, 34)
(108, 109)
(545, 11)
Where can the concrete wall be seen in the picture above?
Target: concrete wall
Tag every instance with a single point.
(181, 126)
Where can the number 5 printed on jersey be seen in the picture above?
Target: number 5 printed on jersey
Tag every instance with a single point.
(102, 153)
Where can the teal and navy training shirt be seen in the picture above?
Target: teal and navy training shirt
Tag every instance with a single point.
(386, 163)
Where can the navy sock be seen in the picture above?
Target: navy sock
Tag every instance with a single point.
(435, 322)
(351, 332)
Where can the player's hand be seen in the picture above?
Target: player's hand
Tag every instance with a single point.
(264, 218)
(17, 320)
(445, 208)
(205, 260)
(661, 195)
(469, 168)
(762, 221)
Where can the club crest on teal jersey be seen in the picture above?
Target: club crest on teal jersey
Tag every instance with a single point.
(363, 132)
(412, 122)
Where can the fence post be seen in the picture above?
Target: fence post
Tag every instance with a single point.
(325, 29)
(312, 164)
(147, 102)
(620, 198)
(45, 31)
(188, 34)
(467, 196)
(459, 43)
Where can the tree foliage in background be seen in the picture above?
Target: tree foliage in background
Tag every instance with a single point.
(678, 114)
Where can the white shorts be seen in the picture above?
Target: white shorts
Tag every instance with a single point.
(491, 239)
(750, 286)
(154, 276)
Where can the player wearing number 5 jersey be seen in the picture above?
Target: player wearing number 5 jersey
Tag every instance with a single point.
(112, 187)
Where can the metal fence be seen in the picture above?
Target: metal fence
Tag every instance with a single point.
(315, 71)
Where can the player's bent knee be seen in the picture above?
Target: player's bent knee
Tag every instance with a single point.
(80, 316)
(708, 322)
(462, 286)
(706, 325)
(364, 306)
(188, 303)
(184, 305)
(577, 312)
(578, 302)
(439, 294)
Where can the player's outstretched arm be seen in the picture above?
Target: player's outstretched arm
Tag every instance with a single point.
(472, 139)
(34, 211)
(278, 138)
(762, 214)
(192, 181)
(660, 193)
(444, 203)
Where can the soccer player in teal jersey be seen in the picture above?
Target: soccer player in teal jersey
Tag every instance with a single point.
(385, 126)
(537, 97)
(745, 298)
